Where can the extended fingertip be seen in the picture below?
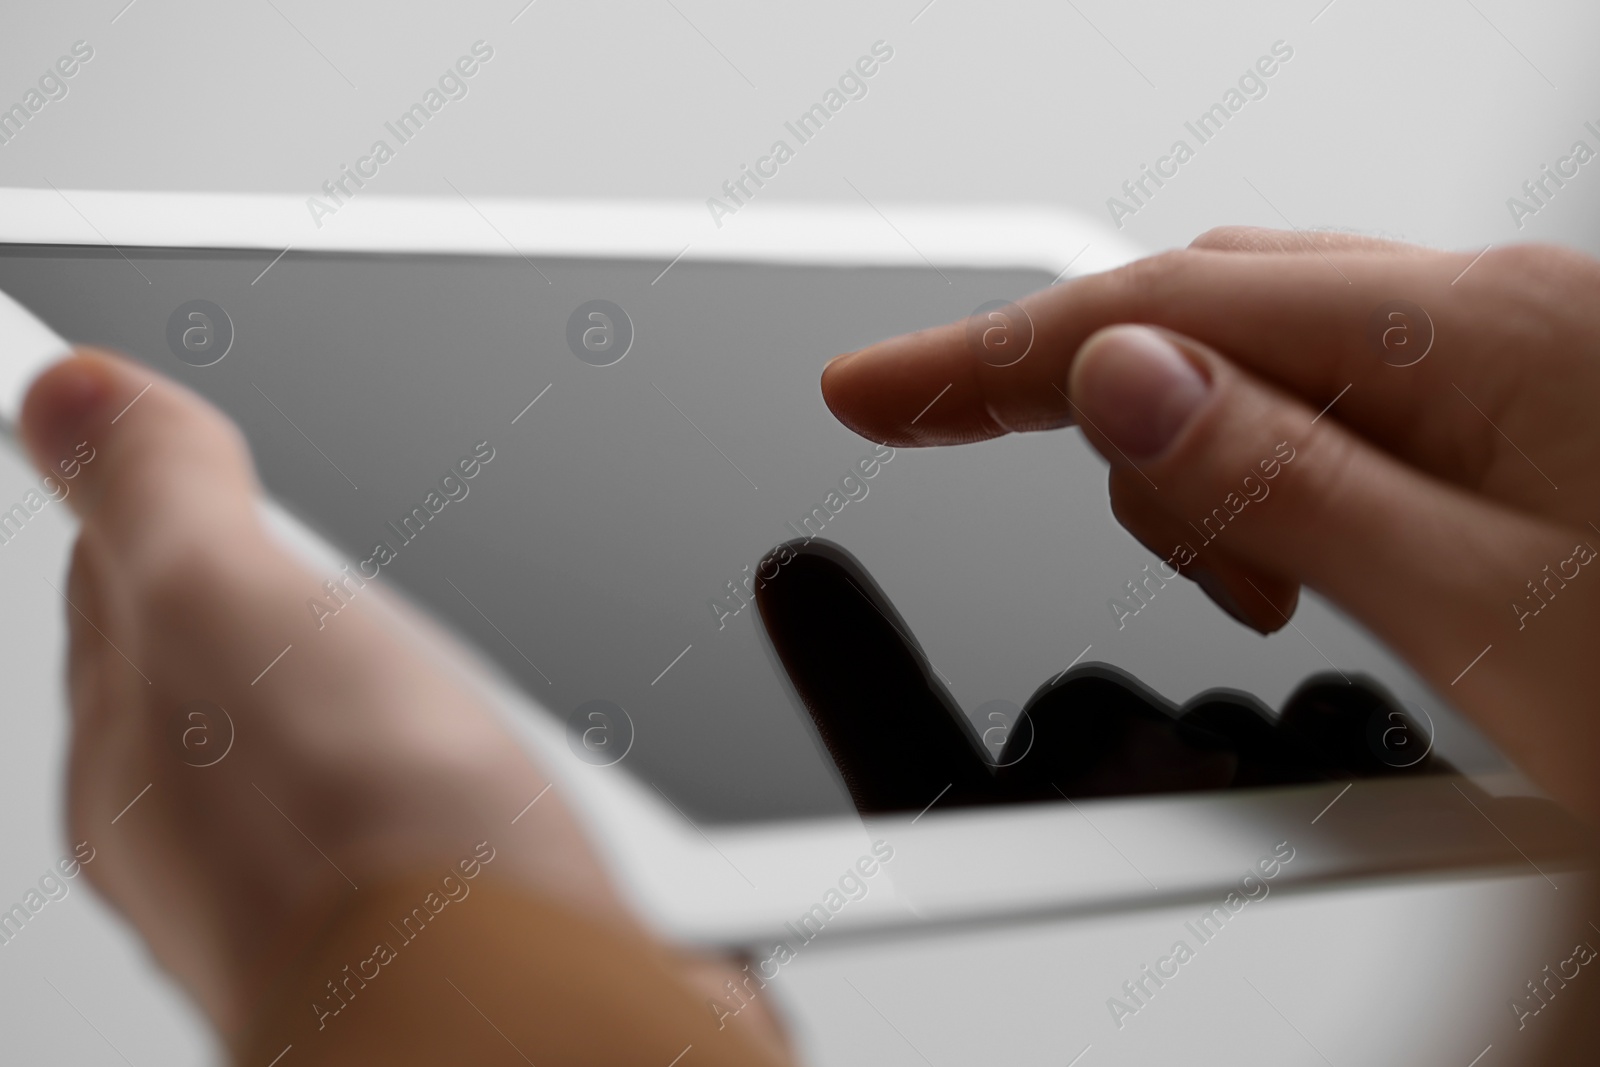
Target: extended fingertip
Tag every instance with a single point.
(833, 392)
(849, 402)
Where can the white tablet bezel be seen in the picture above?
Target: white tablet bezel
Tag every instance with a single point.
(741, 885)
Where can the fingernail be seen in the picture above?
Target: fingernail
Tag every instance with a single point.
(1137, 388)
(1213, 588)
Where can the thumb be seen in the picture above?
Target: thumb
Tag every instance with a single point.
(1244, 476)
(153, 470)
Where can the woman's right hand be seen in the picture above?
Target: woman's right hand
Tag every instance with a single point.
(1437, 412)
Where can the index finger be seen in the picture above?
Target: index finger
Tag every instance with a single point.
(1298, 320)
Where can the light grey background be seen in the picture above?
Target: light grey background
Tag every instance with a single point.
(1413, 120)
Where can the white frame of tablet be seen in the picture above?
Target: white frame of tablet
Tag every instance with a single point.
(720, 885)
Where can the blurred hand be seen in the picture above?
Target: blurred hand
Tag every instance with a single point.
(1448, 504)
(356, 757)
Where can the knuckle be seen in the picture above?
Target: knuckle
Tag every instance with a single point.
(1542, 307)
(1138, 288)
(1549, 278)
(1545, 260)
(1327, 482)
(1158, 272)
(1236, 238)
(1217, 237)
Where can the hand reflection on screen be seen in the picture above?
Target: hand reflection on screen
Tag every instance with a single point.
(899, 738)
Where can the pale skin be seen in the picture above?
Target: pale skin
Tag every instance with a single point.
(360, 756)
(1422, 504)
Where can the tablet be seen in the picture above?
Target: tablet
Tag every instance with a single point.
(571, 433)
